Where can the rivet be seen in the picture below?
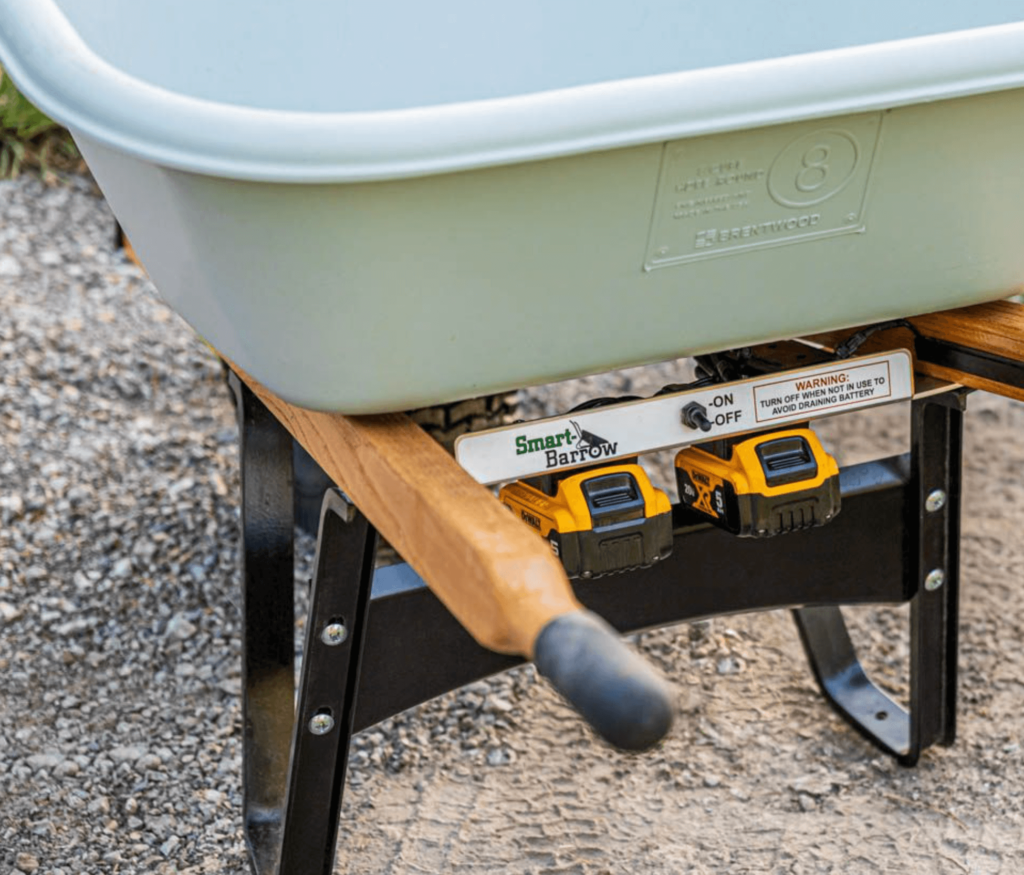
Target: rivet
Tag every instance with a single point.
(936, 500)
(936, 577)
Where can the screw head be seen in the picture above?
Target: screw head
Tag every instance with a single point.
(936, 577)
(321, 724)
(334, 634)
(936, 500)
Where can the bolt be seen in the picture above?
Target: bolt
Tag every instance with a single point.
(936, 500)
(321, 724)
(936, 577)
(334, 634)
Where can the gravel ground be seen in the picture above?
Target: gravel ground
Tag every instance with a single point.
(119, 622)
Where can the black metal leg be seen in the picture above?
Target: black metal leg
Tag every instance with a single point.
(935, 568)
(294, 759)
(932, 514)
(335, 630)
(844, 683)
(268, 629)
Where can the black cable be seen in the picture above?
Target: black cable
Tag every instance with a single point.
(854, 342)
(605, 401)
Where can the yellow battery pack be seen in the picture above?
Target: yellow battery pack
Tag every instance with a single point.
(763, 485)
(598, 521)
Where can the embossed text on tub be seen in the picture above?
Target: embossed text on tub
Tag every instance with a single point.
(730, 193)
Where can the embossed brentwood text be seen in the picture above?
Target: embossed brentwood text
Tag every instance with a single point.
(713, 236)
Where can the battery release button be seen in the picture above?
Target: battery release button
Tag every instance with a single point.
(787, 460)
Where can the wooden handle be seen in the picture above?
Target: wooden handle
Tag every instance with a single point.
(495, 575)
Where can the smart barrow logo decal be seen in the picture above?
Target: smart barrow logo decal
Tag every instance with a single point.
(569, 447)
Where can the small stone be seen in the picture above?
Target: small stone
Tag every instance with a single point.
(214, 796)
(712, 781)
(691, 699)
(179, 627)
(728, 665)
(50, 257)
(9, 266)
(496, 703)
(13, 504)
(500, 756)
(8, 612)
(807, 803)
(127, 754)
(122, 568)
(27, 863)
(131, 806)
(73, 627)
(170, 846)
(231, 686)
(45, 760)
(812, 785)
(100, 805)
(147, 762)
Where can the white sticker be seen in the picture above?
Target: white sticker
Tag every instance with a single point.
(831, 390)
(606, 434)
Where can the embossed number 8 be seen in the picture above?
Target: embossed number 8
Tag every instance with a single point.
(814, 170)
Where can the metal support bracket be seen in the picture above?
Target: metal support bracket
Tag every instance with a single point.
(932, 570)
(335, 631)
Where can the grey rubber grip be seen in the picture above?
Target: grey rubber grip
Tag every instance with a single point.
(621, 695)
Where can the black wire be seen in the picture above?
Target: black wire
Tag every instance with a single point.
(671, 388)
(604, 402)
(854, 342)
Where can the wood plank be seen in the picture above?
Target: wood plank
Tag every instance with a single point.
(996, 328)
(499, 579)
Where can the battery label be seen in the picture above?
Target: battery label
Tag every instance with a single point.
(606, 434)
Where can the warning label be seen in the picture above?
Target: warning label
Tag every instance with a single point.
(825, 390)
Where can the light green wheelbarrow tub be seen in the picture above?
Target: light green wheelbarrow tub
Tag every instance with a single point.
(388, 205)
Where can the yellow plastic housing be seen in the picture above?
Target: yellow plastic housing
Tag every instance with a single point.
(744, 471)
(567, 510)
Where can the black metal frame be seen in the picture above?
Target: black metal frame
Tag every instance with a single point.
(889, 536)
(976, 362)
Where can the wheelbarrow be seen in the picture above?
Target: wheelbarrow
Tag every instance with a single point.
(368, 210)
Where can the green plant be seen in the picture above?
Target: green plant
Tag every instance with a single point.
(29, 138)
